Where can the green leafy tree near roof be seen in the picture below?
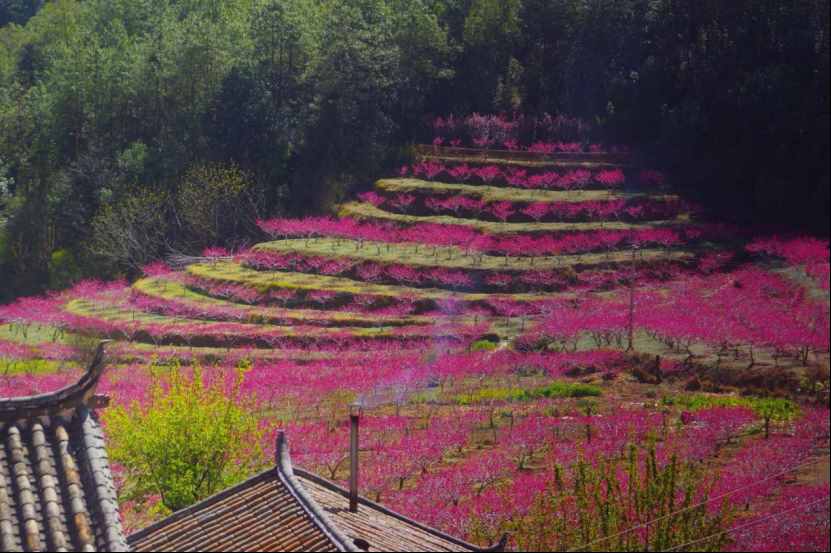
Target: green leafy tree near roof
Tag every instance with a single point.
(194, 437)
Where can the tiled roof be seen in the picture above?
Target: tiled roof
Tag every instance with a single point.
(269, 512)
(57, 494)
(56, 488)
(284, 509)
(257, 515)
(375, 527)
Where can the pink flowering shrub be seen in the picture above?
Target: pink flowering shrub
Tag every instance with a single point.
(521, 178)
(811, 253)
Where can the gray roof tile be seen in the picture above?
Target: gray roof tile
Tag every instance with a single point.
(56, 489)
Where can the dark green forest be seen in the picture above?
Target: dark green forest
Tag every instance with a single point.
(130, 129)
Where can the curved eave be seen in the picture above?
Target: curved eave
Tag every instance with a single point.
(69, 397)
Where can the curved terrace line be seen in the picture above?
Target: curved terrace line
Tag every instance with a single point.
(509, 194)
(366, 211)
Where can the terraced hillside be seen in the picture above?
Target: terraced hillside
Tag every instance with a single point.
(472, 304)
(357, 291)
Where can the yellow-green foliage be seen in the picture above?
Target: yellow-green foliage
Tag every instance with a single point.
(178, 293)
(488, 395)
(510, 194)
(553, 390)
(215, 201)
(63, 269)
(450, 257)
(26, 366)
(776, 409)
(360, 210)
(115, 313)
(564, 389)
(192, 438)
(271, 280)
(483, 345)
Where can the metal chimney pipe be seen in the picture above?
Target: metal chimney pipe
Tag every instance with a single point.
(354, 419)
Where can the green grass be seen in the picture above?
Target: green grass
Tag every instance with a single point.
(35, 334)
(11, 367)
(507, 194)
(139, 320)
(563, 390)
(492, 158)
(483, 345)
(452, 257)
(360, 210)
(123, 351)
(264, 281)
(555, 390)
(178, 294)
(775, 408)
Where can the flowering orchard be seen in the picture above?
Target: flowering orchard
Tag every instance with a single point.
(537, 330)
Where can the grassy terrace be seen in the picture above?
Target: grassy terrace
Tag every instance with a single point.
(361, 210)
(178, 295)
(124, 352)
(511, 194)
(147, 328)
(11, 367)
(116, 313)
(523, 159)
(269, 280)
(529, 164)
(452, 257)
(32, 334)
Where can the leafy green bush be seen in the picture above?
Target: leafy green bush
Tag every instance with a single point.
(775, 408)
(770, 410)
(192, 438)
(216, 202)
(63, 269)
(483, 345)
(489, 395)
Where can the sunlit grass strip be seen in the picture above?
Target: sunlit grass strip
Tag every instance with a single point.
(776, 408)
(366, 211)
(180, 295)
(264, 281)
(503, 194)
(452, 257)
(12, 367)
(140, 320)
(555, 390)
(38, 336)
(489, 158)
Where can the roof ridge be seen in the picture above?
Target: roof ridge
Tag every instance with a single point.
(286, 472)
(181, 513)
(94, 455)
(317, 479)
(68, 397)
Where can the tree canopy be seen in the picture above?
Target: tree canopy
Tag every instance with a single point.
(107, 104)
